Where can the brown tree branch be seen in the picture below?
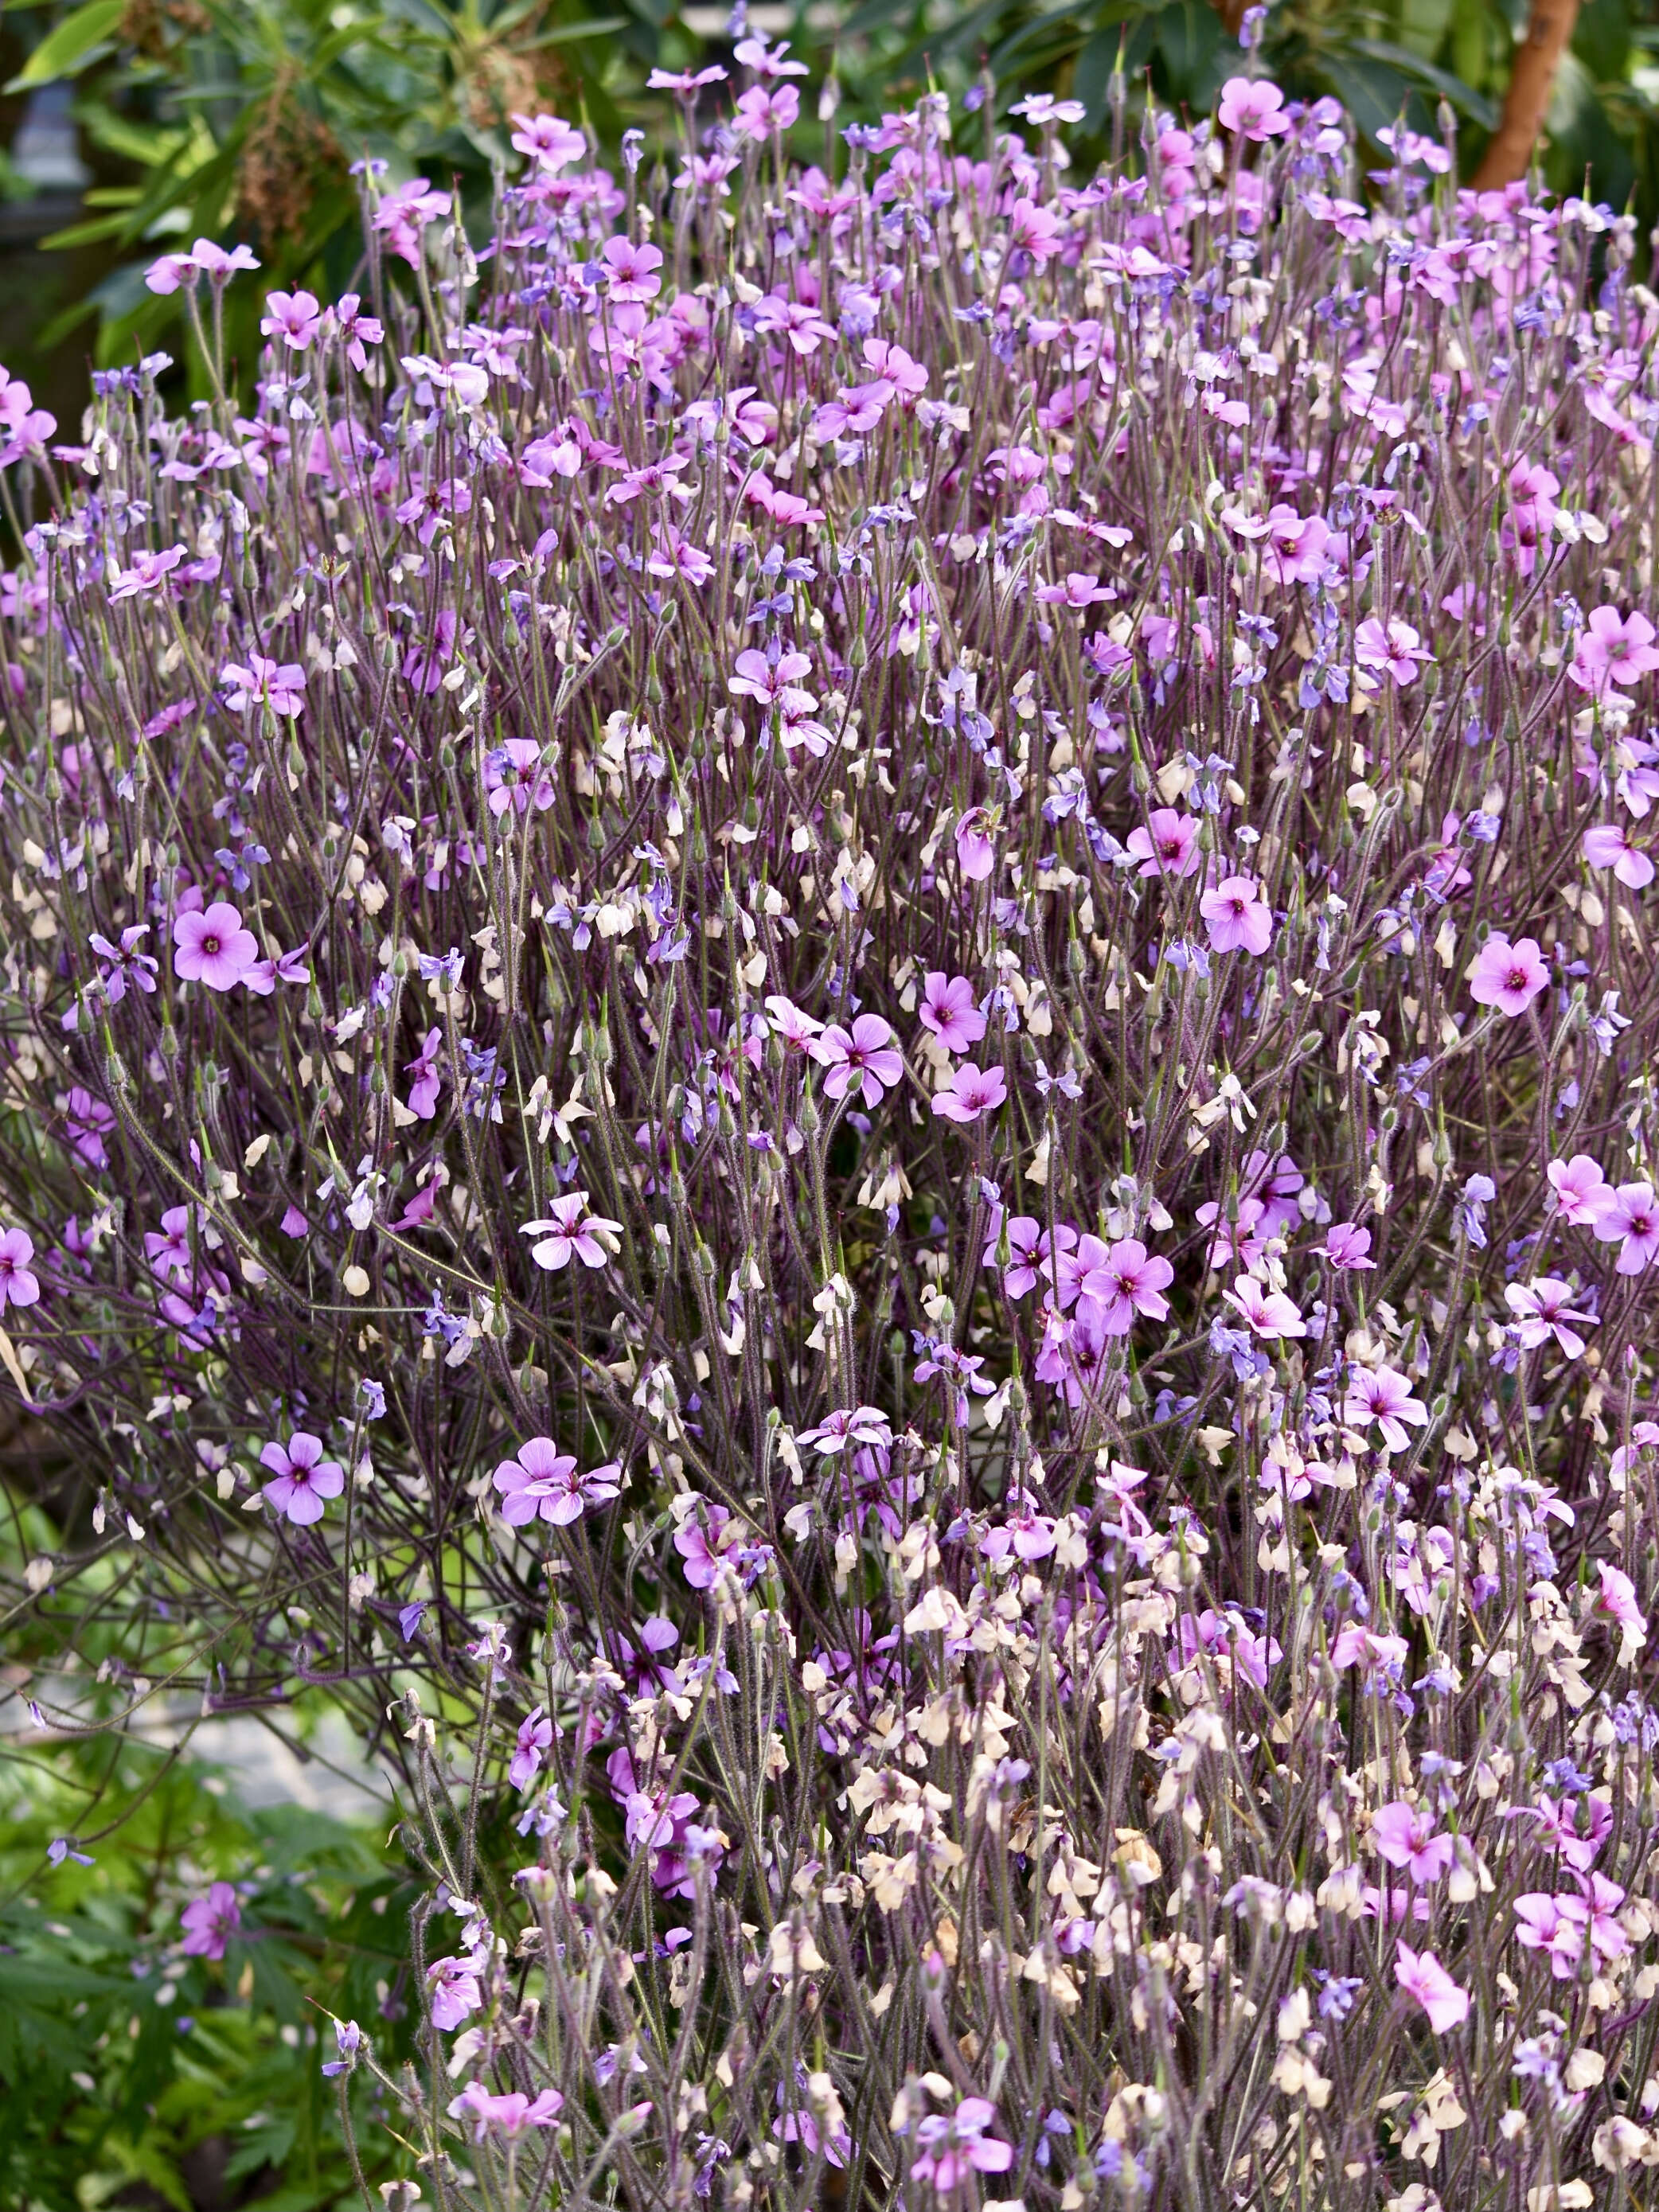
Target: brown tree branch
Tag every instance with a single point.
(1549, 27)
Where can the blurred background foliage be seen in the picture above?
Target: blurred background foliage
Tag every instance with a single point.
(131, 2076)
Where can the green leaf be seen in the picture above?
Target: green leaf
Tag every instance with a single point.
(1473, 104)
(66, 49)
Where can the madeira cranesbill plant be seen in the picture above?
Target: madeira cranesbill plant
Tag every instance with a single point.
(829, 1014)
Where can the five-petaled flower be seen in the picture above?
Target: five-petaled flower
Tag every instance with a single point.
(301, 1477)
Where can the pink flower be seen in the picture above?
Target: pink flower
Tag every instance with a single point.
(303, 1477)
(954, 2146)
(1574, 1828)
(796, 1028)
(212, 947)
(1384, 1397)
(534, 1736)
(550, 143)
(975, 846)
(1579, 1189)
(544, 1481)
(1168, 846)
(19, 1285)
(1127, 1280)
(703, 1543)
(1295, 551)
(631, 270)
(282, 688)
(1617, 1602)
(455, 1992)
(1034, 230)
(1608, 845)
(1422, 1976)
(972, 1091)
(513, 2113)
(423, 1091)
(1225, 1636)
(1269, 1313)
(1508, 977)
(1406, 1838)
(1374, 1654)
(568, 1228)
(861, 1059)
(1237, 917)
(515, 778)
(1078, 590)
(205, 259)
(1254, 108)
(148, 572)
(210, 1922)
(1629, 1217)
(1541, 1310)
(294, 317)
(948, 1011)
(760, 112)
(1611, 650)
(1393, 650)
(1346, 1246)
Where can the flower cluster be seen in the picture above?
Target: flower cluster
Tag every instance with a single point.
(848, 967)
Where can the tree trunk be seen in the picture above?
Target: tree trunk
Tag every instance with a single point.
(1549, 29)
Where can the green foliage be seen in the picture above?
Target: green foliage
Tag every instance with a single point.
(130, 2073)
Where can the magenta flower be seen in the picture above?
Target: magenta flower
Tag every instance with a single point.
(1406, 1839)
(1508, 977)
(1237, 917)
(210, 1922)
(948, 1012)
(971, 1092)
(1168, 846)
(1254, 108)
(423, 1091)
(796, 1028)
(760, 112)
(954, 2146)
(148, 572)
(212, 947)
(355, 330)
(703, 1543)
(512, 2113)
(281, 686)
(19, 1285)
(515, 778)
(631, 270)
(535, 1737)
(1384, 1397)
(205, 259)
(1393, 648)
(294, 317)
(1421, 1976)
(1629, 1217)
(1347, 1247)
(544, 1481)
(975, 845)
(1269, 1313)
(303, 1477)
(570, 1228)
(551, 143)
(1609, 846)
(1580, 1190)
(1613, 650)
(1127, 1280)
(1542, 1309)
(859, 1060)
(455, 1990)
(128, 966)
(1617, 1602)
